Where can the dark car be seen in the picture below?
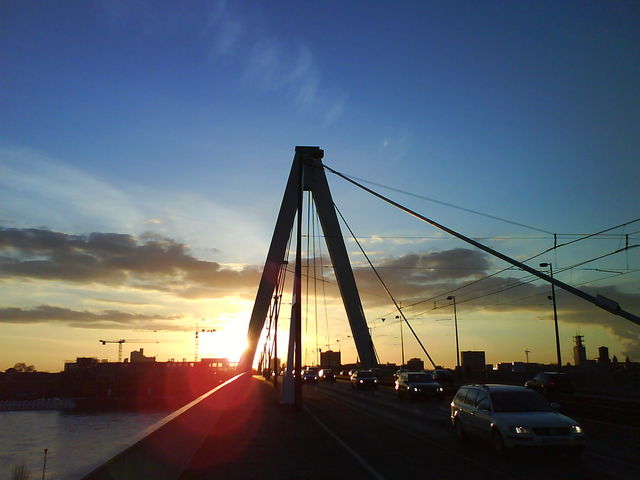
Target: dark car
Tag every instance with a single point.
(413, 385)
(310, 375)
(550, 382)
(442, 376)
(362, 379)
(326, 375)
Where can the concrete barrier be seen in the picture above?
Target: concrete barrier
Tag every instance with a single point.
(165, 449)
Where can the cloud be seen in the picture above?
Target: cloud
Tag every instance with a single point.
(107, 319)
(273, 63)
(149, 262)
(38, 190)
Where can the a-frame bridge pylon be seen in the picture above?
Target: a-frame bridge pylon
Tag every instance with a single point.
(307, 174)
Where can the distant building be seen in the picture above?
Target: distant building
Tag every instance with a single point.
(138, 356)
(603, 355)
(415, 364)
(518, 367)
(502, 367)
(330, 359)
(474, 361)
(579, 352)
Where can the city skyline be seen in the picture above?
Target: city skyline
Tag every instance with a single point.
(145, 150)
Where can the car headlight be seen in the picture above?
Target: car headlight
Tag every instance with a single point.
(576, 428)
(361, 381)
(519, 430)
(415, 389)
(375, 381)
(440, 389)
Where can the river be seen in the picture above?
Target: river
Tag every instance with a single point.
(74, 441)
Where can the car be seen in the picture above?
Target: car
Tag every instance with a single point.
(362, 379)
(512, 416)
(399, 371)
(326, 375)
(310, 375)
(550, 382)
(442, 376)
(414, 385)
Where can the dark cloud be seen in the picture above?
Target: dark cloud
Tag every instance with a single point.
(85, 319)
(418, 275)
(154, 263)
(148, 261)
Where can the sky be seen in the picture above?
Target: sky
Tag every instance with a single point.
(145, 146)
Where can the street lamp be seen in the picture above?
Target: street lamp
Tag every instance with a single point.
(401, 339)
(455, 322)
(555, 314)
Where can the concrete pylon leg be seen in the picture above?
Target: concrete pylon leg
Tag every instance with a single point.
(314, 180)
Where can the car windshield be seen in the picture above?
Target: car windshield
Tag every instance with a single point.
(365, 375)
(420, 377)
(519, 401)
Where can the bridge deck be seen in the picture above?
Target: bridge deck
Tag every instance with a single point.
(256, 437)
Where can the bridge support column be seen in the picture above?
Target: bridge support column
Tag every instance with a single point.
(309, 160)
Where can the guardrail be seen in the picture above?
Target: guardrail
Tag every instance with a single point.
(165, 449)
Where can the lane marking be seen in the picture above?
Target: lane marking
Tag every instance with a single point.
(419, 435)
(355, 455)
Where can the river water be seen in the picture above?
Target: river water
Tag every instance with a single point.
(75, 441)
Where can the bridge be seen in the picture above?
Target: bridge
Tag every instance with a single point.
(251, 428)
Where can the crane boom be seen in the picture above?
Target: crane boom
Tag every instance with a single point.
(121, 341)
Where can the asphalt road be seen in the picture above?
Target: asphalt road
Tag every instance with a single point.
(394, 439)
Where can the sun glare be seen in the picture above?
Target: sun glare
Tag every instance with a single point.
(225, 342)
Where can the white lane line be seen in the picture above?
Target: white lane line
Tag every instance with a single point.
(355, 455)
(400, 424)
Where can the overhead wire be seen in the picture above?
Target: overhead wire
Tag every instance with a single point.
(451, 205)
(386, 288)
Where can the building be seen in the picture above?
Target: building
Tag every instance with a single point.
(138, 356)
(473, 361)
(579, 352)
(415, 364)
(603, 355)
(330, 359)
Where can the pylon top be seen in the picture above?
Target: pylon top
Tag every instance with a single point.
(314, 152)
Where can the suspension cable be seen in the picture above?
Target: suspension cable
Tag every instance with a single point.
(600, 301)
(385, 287)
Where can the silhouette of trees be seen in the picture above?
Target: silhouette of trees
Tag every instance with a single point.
(24, 368)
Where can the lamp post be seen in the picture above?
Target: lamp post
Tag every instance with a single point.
(455, 322)
(555, 314)
(401, 339)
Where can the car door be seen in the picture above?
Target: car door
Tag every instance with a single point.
(467, 412)
(483, 416)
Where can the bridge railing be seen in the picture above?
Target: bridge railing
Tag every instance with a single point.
(164, 450)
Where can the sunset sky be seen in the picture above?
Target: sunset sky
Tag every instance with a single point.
(145, 146)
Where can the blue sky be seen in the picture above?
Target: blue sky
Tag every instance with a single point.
(181, 119)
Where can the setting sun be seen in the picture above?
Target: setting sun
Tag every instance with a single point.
(228, 341)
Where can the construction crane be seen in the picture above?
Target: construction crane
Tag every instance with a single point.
(120, 342)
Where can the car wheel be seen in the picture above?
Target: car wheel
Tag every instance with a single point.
(498, 443)
(460, 433)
